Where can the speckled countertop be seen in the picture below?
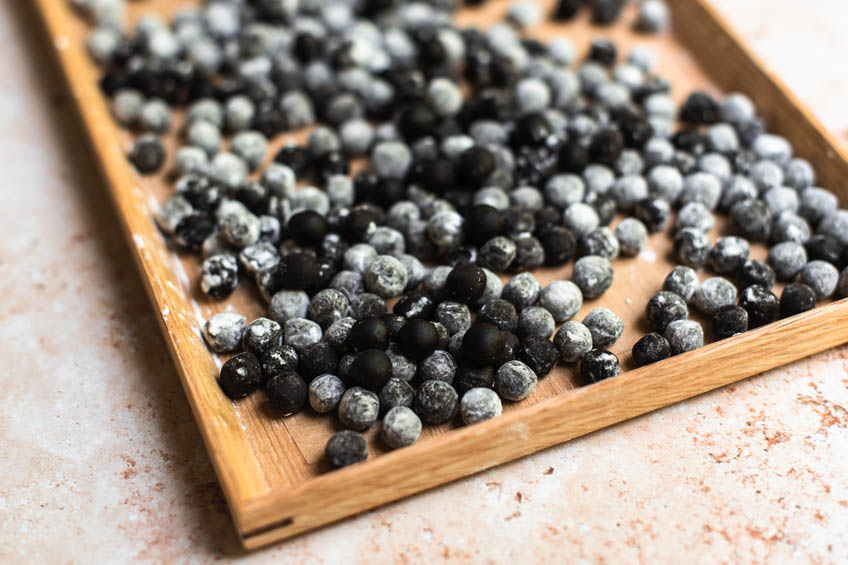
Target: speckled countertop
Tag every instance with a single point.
(101, 460)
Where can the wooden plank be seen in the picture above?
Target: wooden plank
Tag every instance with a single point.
(217, 418)
(270, 467)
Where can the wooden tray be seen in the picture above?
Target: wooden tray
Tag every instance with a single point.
(271, 469)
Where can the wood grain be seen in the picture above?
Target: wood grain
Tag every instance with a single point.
(270, 468)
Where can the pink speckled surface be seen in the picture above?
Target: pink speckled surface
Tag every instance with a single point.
(101, 460)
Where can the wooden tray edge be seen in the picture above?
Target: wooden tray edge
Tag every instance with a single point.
(216, 416)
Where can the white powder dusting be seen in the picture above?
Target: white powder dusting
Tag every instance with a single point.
(648, 255)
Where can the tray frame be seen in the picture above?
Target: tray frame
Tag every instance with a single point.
(263, 515)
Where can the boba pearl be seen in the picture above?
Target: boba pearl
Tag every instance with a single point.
(435, 402)
(400, 427)
(817, 204)
(663, 308)
(469, 376)
(358, 408)
(729, 321)
(789, 226)
(289, 304)
(522, 290)
(762, 305)
(599, 364)
(535, 321)
(751, 219)
(632, 236)
(454, 316)
(684, 335)
(366, 305)
(465, 283)
(445, 229)
(418, 339)
(515, 381)
(714, 293)
(572, 339)
(240, 375)
(563, 190)
(325, 393)
(787, 259)
(605, 326)
(682, 281)
(438, 366)
(500, 313)
(666, 182)
(385, 276)
(346, 448)
(600, 241)
(729, 254)
(482, 344)
(300, 333)
(538, 353)
(396, 392)
(650, 348)
(628, 190)
(223, 332)
(821, 276)
(562, 299)
(371, 369)
(653, 16)
(694, 215)
(148, 154)
(797, 298)
(692, 247)
(737, 189)
(835, 225)
(580, 218)
(823, 248)
(755, 271)
(593, 275)
(478, 405)
(402, 368)
(261, 335)
(497, 253)
(327, 306)
(286, 393)
(317, 359)
(277, 360)
(250, 146)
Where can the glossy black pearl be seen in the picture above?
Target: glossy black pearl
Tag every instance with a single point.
(298, 271)
(482, 344)
(370, 333)
(474, 166)
(465, 283)
(240, 375)
(371, 369)
(483, 222)
(418, 339)
(307, 228)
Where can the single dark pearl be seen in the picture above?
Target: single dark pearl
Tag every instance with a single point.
(482, 344)
(371, 369)
(484, 222)
(286, 393)
(418, 339)
(240, 375)
(307, 228)
(298, 271)
(474, 166)
(371, 333)
(465, 283)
